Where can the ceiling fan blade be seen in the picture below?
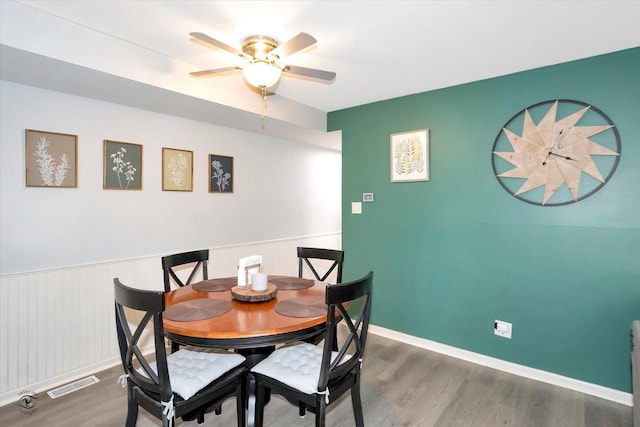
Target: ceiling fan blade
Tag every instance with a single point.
(295, 44)
(309, 72)
(216, 43)
(209, 73)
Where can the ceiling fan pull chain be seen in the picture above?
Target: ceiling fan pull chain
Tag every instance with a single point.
(264, 98)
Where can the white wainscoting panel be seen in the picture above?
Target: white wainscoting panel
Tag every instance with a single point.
(58, 325)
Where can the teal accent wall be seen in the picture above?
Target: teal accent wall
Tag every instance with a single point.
(455, 253)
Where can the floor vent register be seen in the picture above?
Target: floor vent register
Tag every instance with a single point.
(71, 387)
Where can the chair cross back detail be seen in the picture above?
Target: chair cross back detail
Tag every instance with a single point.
(337, 297)
(147, 378)
(153, 304)
(340, 370)
(199, 257)
(307, 254)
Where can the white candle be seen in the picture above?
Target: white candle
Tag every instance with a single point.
(259, 282)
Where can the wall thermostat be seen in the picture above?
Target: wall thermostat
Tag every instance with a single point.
(367, 197)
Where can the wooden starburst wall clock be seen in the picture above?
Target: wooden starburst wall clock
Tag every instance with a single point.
(556, 152)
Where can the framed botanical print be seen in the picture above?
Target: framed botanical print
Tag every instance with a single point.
(51, 159)
(177, 170)
(410, 156)
(220, 174)
(122, 166)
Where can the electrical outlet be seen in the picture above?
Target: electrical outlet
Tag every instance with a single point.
(502, 329)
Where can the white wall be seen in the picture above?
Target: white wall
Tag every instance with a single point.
(60, 248)
(282, 188)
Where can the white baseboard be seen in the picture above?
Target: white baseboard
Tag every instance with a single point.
(68, 377)
(512, 368)
(59, 380)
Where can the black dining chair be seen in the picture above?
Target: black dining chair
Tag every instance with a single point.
(184, 384)
(199, 258)
(169, 262)
(315, 376)
(306, 255)
(320, 260)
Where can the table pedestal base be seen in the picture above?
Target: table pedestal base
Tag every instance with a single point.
(254, 356)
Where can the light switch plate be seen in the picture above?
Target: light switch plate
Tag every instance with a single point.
(356, 207)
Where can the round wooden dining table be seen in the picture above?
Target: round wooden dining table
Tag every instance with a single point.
(213, 314)
(252, 328)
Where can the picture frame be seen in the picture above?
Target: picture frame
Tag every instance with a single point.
(122, 166)
(220, 174)
(410, 156)
(177, 169)
(51, 159)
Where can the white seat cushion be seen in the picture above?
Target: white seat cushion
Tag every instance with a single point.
(190, 371)
(297, 366)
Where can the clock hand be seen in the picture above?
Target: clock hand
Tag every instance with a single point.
(552, 147)
(551, 153)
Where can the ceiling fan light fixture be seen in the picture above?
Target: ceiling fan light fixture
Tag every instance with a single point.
(262, 60)
(261, 74)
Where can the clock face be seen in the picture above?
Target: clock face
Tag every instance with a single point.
(556, 152)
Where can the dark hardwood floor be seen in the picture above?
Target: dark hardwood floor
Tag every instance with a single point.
(402, 385)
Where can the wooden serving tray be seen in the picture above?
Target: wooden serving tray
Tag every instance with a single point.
(248, 295)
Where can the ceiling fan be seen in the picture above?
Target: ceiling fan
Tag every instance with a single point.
(263, 58)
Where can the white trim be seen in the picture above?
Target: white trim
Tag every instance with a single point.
(59, 380)
(68, 377)
(147, 257)
(512, 368)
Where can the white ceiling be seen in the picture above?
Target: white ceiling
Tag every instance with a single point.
(379, 49)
